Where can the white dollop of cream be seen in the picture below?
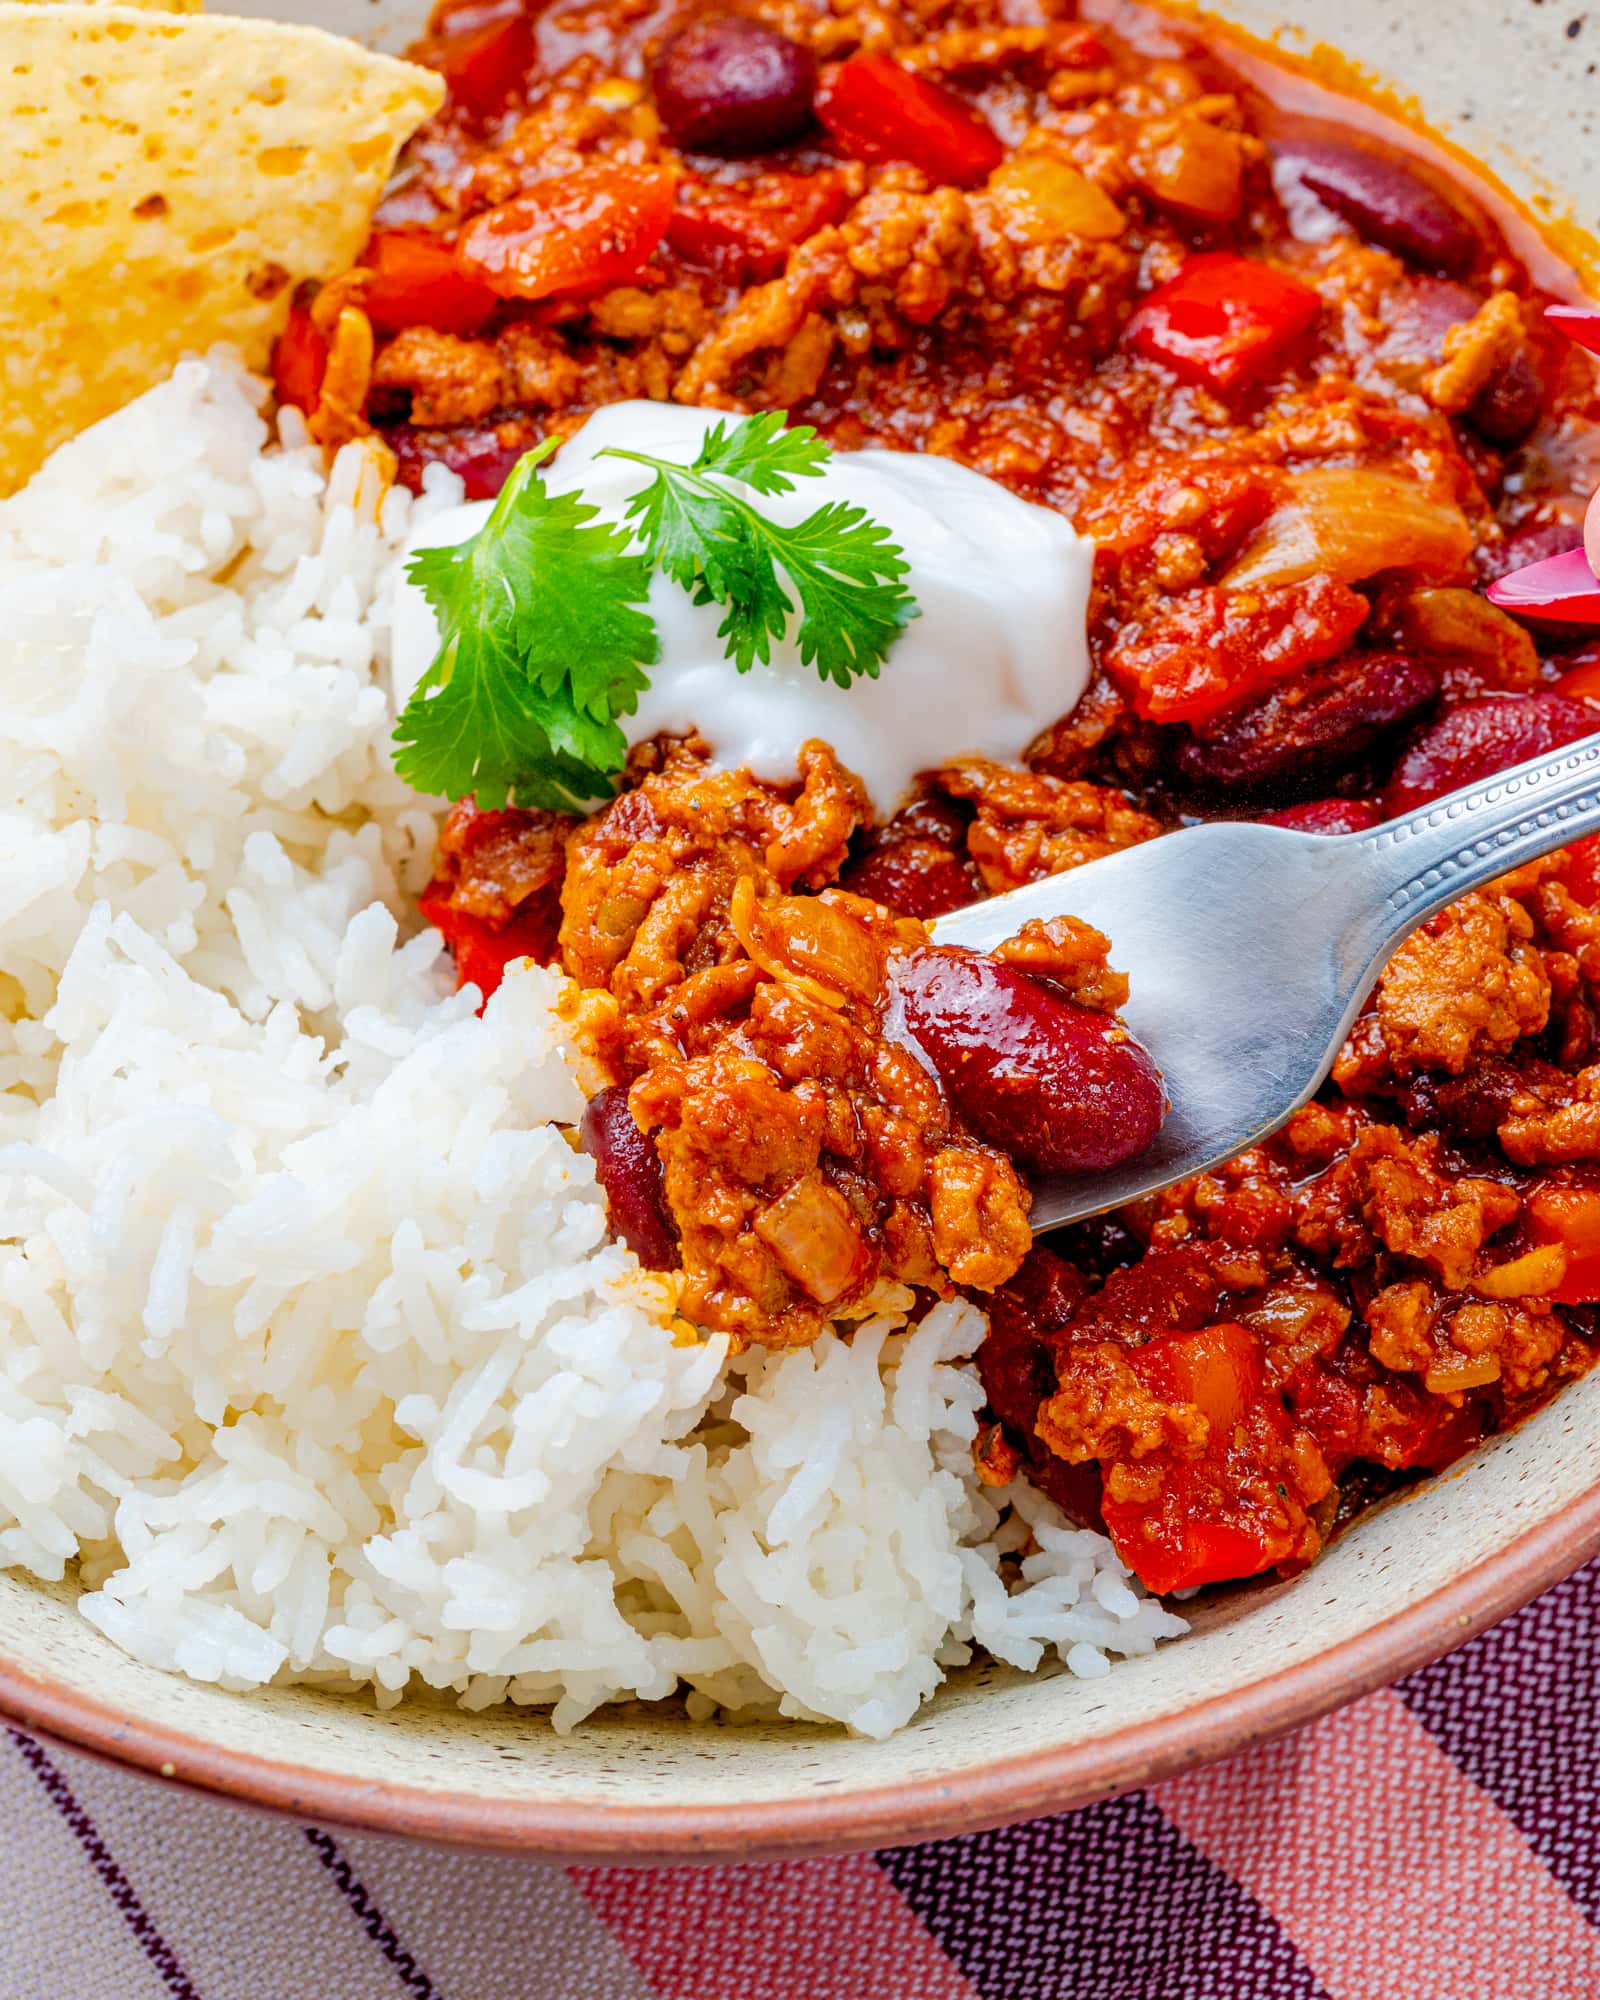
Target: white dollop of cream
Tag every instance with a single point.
(999, 652)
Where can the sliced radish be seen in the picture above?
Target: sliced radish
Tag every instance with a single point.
(1561, 589)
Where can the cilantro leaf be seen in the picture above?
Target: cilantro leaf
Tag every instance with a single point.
(762, 453)
(841, 565)
(542, 645)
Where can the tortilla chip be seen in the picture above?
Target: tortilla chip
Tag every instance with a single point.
(166, 182)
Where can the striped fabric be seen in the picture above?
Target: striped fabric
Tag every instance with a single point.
(1439, 1841)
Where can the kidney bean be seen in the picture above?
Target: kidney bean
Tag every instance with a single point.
(914, 879)
(1473, 1106)
(1389, 197)
(628, 1168)
(916, 864)
(1060, 1087)
(1421, 310)
(1327, 816)
(1295, 738)
(1477, 738)
(1508, 406)
(728, 84)
(1017, 1370)
(1510, 403)
(482, 454)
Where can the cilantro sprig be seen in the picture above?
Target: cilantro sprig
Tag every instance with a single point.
(544, 640)
(842, 565)
(542, 646)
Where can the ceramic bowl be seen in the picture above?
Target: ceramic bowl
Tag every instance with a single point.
(1407, 1583)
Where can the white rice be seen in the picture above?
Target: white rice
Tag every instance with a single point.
(315, 1358)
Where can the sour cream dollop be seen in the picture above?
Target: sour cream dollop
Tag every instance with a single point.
(999, 652)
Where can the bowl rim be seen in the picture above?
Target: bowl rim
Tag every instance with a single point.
(1027, 1785)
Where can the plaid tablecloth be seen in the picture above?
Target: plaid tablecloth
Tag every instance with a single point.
(1439, 1841)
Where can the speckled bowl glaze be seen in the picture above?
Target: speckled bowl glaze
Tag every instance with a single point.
(1514, 85)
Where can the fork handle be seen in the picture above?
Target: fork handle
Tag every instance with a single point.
(1467, 838)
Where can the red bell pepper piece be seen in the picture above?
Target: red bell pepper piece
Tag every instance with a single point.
(1224, 322)
(299, 360)
(481, 951)
(745, 231)
(880, 112)
(416, 281)
(1209, 650)
(1231, 1511)
(1570, 1216)
(483, 61)
(598, 225)
(1561, 590)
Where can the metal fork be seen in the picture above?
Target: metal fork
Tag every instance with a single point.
(1251, 948)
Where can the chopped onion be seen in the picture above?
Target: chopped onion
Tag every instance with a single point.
(1351, 523)
(810, 1230)
(808, 944)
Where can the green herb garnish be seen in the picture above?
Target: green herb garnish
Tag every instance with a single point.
(842, 564)
(544, 640)
(543, 648)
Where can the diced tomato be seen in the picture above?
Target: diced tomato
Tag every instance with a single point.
(483, 60)
(299, 360)
(880, 112)
(482, 952)
(745, 232)
(1570, 1216)
(1210, 650)
(597, 225)
(416, 281)
(1235, 1509)
(1224, 322)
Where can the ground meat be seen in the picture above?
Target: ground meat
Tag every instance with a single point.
(675, 316)
(1029, 825)
(1470, 983)
(806, 1157)
(1073, 955)
(907, 246)
(768, 317)
(1556, 1123)
(449, 380)
(1102, 1410)
(538, 370)
(1393, 1190)
(1456, 1346)
(1475, 351)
